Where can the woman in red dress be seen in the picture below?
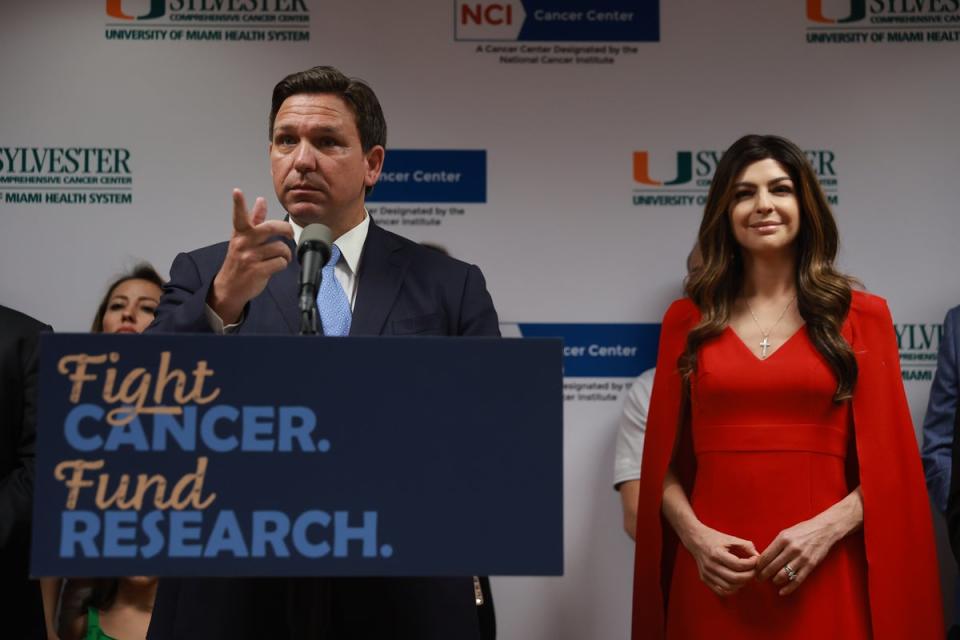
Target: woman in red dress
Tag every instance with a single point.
(782, 494)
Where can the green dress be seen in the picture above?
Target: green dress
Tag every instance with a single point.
(94, 632)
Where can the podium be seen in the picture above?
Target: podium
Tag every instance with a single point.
(190, 455)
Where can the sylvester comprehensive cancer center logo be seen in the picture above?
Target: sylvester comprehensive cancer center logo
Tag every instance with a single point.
(882, 21)
(210, 20)
(919, 344)
(684, 179)
(51, 175)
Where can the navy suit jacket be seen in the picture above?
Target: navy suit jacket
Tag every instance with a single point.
(404, 289)
(19, 340)
(941, 412)
(941, 446)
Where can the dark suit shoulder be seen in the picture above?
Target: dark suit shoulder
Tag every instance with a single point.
(205, 262)
(421, 255)
(211, 253)
(953, 317)
(16, 323)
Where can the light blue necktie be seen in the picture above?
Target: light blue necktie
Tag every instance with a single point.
(332, 301)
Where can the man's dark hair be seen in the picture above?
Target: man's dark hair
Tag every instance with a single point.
(356, 93)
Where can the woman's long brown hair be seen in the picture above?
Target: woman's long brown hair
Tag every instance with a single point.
(823, 293)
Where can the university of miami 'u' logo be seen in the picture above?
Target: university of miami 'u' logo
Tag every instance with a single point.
(858, 11)
(641, 169)
(115, 10)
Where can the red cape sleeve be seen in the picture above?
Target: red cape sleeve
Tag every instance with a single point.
(902, 570)
(655, 541)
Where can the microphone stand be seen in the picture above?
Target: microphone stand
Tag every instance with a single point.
(309, 325)
(313, 252)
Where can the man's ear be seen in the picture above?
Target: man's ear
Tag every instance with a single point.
(374, 159)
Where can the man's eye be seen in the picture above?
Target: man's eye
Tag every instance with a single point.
(285, 140)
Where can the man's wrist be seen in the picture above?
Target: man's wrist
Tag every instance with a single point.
(223, 306)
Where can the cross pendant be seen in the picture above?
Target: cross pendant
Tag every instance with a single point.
(764, 345)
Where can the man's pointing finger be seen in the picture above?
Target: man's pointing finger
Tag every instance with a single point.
(241, 220)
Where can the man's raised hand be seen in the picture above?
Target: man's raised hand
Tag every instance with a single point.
(255, 253)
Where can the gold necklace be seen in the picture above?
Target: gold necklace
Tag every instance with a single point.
(765, 342)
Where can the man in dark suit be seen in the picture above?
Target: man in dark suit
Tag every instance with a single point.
(327, 139)
(23, 613)
(938, 432)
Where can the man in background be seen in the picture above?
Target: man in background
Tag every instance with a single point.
(19, 333)
(941, 411)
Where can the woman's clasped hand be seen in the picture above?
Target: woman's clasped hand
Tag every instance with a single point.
(726, 563)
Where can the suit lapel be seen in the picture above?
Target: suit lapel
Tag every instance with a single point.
(381, 273)
(284, 288)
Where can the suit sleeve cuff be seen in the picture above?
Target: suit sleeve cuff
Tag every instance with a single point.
(216, 322)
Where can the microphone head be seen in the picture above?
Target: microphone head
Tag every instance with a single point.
(315, 237)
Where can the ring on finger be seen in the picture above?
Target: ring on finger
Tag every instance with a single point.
(791, 574)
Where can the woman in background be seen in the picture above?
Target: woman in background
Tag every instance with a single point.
(130, 304)
(116, 609)
(779, 448)
(122, 605)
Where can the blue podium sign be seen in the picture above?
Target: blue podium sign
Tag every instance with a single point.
(281, 456)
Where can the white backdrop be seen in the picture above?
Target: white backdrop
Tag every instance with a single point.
(559, 236)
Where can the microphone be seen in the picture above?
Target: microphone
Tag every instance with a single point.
(313, 251)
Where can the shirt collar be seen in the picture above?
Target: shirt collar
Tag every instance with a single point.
(350, 243)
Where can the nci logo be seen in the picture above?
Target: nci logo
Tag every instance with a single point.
(489, 20)
(684, 180)
(493, 14)
(918, 344)
(558, 20)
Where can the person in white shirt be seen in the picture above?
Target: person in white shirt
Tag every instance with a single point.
(629, 448)
(633, 426)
